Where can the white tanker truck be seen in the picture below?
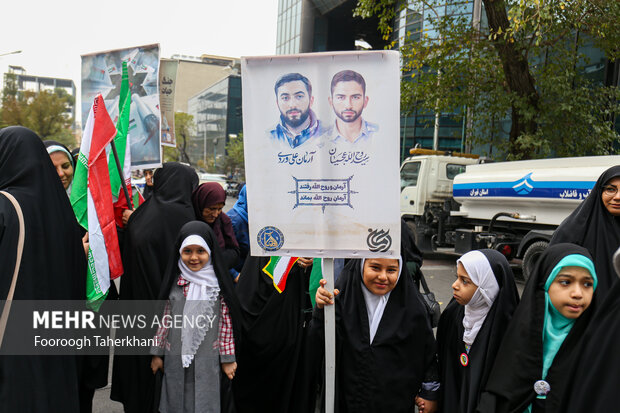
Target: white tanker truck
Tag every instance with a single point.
(451, 200)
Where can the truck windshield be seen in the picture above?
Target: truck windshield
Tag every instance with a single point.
(409, 174)
(453, 170)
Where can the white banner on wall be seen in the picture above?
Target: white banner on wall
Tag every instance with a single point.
(321, 154)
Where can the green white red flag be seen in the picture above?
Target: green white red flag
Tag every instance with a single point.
(278, 269)
(91, 199)
(123, 148)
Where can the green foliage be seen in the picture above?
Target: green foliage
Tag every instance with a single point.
(45, 112)
(233, 163)
(526, 66)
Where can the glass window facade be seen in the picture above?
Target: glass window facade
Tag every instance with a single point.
(417, 127)
(217, 116)
(413, 22)
(288, 38)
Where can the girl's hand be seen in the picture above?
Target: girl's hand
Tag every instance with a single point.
(304, 262)
(425, 406)
(85, 243)
(229, 369)
(126, 214)
(324, 297)
(157, 363)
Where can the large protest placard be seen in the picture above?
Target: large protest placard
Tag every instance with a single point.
(167, 80)
(101, 73)
(321, 154)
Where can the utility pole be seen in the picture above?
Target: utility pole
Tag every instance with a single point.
(470, 112)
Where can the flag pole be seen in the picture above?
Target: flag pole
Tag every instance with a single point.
(120, 173)
(330, 339)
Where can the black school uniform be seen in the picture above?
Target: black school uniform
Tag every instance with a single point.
(386, 374)
(464, 374)
(519, 361)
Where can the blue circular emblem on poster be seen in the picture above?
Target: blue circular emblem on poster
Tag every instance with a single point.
(270, 239)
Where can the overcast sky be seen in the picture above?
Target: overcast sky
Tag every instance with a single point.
(52, 34)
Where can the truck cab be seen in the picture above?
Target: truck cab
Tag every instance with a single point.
(437, 171)
(426, 185)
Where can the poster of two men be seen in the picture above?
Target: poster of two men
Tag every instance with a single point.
(322, 130)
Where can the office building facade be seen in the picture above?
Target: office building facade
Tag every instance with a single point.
(328, 25)
(217, 116)
(31, 83)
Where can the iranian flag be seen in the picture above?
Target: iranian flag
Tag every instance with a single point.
(91, 199)
(122, 143)
(278, 269)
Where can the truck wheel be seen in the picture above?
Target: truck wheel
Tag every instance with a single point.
(531, 256)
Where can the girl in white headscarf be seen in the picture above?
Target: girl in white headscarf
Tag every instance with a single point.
(471, 327)
(200, 290)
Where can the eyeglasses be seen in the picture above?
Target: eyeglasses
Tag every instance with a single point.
(610, 190)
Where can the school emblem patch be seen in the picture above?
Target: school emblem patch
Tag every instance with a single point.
(464, 359)
(542, 388)
(270, 239)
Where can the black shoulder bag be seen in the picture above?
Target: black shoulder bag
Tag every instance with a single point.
(432, 306)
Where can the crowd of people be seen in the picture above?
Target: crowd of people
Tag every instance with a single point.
(493, 351)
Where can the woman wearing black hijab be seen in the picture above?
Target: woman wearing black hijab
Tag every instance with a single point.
(385, 348)
(595, 225)
(93, 368)
(271, 377)
(412, 256)
(539, 342)
(208, 200)
(53, 267)
(592, 383)
(464, 372)
(149, 240)
(148, 183)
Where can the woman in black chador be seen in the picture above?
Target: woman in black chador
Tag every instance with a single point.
(270, 376)
(53, 267)
(149, 237)
(472, 326)
(595, 225)
(544, 333)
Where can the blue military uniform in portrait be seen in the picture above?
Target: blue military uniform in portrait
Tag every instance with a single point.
(282, 134)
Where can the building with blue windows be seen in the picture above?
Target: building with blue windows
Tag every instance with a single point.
(328, 25)
(218, 118)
